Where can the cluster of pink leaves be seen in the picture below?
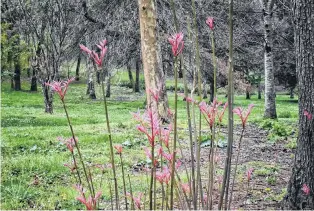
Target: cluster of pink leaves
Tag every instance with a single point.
(60, 87)
(98, 58)
(137, 200)
(177, 43)
(91, 202)
(211, 112)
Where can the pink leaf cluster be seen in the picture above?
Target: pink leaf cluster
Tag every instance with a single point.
(149, 124)
(137, 200)
(165, 135)
(91, 202)
(249, 174)
(211, 111)
(308, 115)
(70, 143)
(71, 166)
(118, 148)
(98, 58)
(243, 114)
(177, 43)
(60, 87)
(185, 187)
(306, 190)
(210, 22)
(163, 176)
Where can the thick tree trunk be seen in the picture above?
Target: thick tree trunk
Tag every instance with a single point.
(137, 75)
(132, 85)
(212, 87)
(270, 99)
(90, 81)
(48, 98)
(17, 75)
(77, 70)
(291, 92)
(259, 91)
(108, 84)
(34, 81)
(303, 170)
(247, 93)
(204, 90)
(154, 76)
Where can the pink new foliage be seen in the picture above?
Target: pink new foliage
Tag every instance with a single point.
(165, 135)
(185, 187)
(98, 58)
(249, 174)
(90, 203)
(137, 200)
(308, 115)
(70, 143)
(187, 99)
(210, 22)
(71, 166)
(243, 114)
(163, 176)
(210, 111)
(306, 189)
(118, 148)
(60, 87)
(149, 124)
(177, 43)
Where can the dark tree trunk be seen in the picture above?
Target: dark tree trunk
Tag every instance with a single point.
(77, 70)
(259, 91)
(130, 77)
(247, 92)
(137, 75)
(211, 92)
(291, 92)
(12, 83)
(17, 75)
(180, 72)
(48, 99)
(34, 81)
(28, 72)
(204, 90)
(108, 85)
(303, 170)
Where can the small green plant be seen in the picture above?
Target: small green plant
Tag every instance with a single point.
(271, 180)
(285, 114)
(292, 144)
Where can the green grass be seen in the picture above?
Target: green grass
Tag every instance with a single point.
(30, 148)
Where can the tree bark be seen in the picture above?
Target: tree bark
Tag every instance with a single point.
(77, 70)
(270, 99)
(17, 74)
(132, 85)
(108, 83)
(259, 91)
(34, 81)
(247, 93)
(204, 90)
(154, 76)
(303, 170)
(137, 75)
(90, 81)
(48, 98)
(291, 92)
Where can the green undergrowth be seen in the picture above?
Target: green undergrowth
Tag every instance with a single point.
(33, 175)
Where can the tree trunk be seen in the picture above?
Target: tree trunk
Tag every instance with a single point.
(303, 170)
(77, 70)
(108, 84)
(137, 75)
(247, 92)
(259, 91)
(291, 92)
(154, 76)
(90, 81)
(212, 87)
(34, 81)
(48, 98)
(204, 90)
(17, 75)
(131, 77)
(270, 99)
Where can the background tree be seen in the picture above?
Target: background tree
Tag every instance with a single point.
(300, 190)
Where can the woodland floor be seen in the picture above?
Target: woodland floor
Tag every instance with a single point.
(29, 148)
